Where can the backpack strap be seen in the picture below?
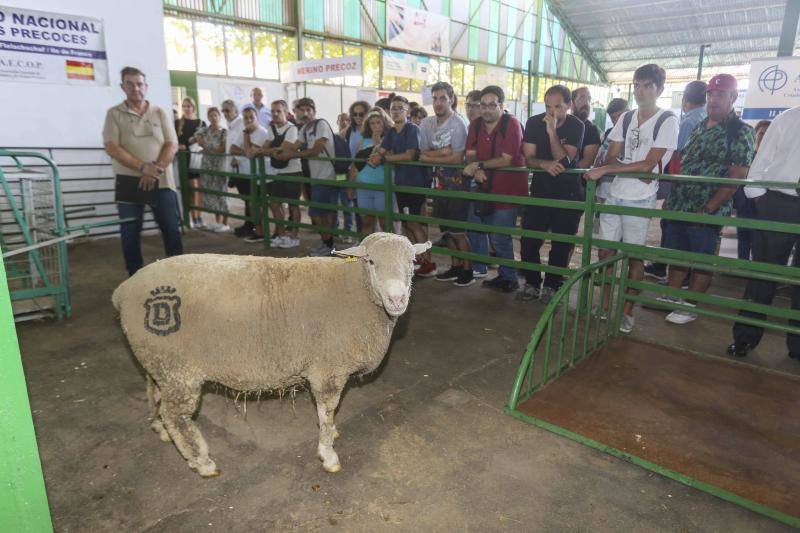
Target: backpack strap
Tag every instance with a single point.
(626, 122)
(664, 116)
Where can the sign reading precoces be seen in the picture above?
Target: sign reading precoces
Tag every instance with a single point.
(44, 47)
(314, 69)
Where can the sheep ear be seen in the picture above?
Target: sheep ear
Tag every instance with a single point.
(421, 248)
(355, 251)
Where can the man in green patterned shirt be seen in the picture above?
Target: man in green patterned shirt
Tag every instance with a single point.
(721, 146)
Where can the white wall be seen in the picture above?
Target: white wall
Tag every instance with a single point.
(49, 115)
(212, 90)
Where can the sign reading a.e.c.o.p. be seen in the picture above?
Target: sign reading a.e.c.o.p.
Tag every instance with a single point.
(46, 47)
(774, 87)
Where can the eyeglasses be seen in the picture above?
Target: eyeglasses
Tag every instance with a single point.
(397, 109)
(473, 106)
(359, 114)
(492, 106)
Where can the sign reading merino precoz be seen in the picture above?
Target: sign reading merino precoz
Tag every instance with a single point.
(44, 47)
(314, 69)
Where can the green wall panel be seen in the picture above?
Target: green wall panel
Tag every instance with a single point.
(352, 18)
(314, 15)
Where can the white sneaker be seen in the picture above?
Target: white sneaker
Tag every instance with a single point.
(681, 316)
(288, 242)
(277, 242)
(221, 228)
(667, 299)
(478, 275)
(627, 323)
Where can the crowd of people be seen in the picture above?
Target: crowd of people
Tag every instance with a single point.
(708, 139)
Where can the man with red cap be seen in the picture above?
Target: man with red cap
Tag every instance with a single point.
(721, 146)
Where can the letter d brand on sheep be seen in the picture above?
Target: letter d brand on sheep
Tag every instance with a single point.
(162, 311)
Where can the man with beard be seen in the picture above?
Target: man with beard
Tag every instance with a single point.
(581, 108)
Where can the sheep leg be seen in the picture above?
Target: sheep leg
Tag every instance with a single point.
(178, 404)
(327, 397)
(153, 399)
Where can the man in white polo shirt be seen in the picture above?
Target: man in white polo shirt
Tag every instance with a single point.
(646, 138)
(777, 159)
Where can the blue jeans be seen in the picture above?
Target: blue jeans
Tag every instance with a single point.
(167, 217)
(503, 244)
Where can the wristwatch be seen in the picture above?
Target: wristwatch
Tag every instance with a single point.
(480, 165)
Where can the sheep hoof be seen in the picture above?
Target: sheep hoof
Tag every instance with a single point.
(332, 469)
(158, 427)
(208, 469)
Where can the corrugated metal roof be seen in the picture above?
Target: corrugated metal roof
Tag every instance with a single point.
(624, 34)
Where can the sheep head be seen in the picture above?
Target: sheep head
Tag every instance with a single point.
(390, 262)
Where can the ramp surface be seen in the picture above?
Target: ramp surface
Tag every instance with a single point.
(723, 423)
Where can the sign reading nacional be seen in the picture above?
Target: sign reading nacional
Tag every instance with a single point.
(314, 69)
(45, 47)
(414, 29)
(774, 87)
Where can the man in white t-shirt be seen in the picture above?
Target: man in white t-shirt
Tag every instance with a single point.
(315, 139)
(282, 134)
(250, 142)
(235, 128)
(646, 138)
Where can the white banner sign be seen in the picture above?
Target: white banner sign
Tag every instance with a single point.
(405, 65)
(774, 87)
(44, 47)
(417, 29)
(314, 69)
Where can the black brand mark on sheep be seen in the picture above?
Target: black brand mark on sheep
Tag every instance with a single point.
(162, 312)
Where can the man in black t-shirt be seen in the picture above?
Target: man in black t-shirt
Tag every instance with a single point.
(582, 108)
(551, 142)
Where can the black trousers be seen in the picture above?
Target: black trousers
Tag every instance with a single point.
(772, 247)
(243, 187)
(555, 220)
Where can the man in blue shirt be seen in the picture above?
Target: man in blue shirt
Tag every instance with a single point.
(401, 143)
(693, 106)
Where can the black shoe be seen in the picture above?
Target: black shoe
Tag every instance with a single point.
(739, 349)
(494, 283)
(451, 274)
(465, 278)
(509, 285)
(656, 271)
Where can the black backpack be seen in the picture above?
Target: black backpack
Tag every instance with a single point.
(340, 147)
(664, 187)
(276, 142)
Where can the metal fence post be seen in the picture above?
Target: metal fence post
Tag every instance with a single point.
(263, 201)
(23, 499)
(388, 186)
(586, 253)
(183, 180)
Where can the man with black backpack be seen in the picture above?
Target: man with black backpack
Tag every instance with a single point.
(494, 141)
(702, 156)
(316, 139)
(643, 140)
(282, 134)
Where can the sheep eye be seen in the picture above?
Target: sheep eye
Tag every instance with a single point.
(371, 262)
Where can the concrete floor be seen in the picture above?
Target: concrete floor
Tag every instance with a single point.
(425, 445)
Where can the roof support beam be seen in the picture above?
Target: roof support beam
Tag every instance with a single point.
(789, 28)
(576, 37)
(694, 15)
(710, 56)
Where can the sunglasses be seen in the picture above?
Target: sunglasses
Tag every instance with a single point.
(361, 114)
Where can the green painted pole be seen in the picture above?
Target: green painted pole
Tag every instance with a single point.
(23, 500)
(183, 180)
(389, 197)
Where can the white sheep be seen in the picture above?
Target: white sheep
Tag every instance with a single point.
(262, 323)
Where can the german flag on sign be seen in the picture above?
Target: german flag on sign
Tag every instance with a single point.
(80, 70)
